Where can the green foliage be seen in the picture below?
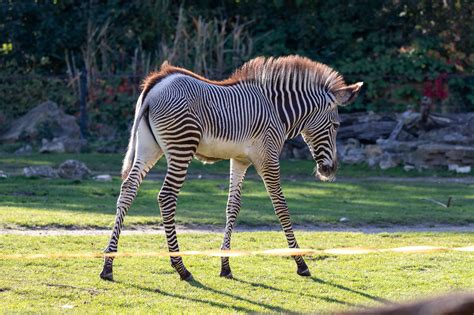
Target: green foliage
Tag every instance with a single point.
(18, 94)
(393, 46)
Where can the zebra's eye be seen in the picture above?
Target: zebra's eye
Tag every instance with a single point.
(336, 125)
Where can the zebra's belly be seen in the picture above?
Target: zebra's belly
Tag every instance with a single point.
(212, 149)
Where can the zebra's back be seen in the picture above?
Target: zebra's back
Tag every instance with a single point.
(232, 118)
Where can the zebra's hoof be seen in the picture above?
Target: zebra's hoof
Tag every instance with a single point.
(226, 273)
(304, 273)
(187, 276)
(107, 274)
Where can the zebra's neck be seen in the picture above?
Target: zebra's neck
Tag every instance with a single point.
(295, 104)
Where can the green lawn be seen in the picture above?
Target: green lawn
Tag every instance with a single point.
(261, 284)
(65, 203)
(112, 163)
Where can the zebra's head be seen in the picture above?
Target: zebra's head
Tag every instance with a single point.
(320, 130)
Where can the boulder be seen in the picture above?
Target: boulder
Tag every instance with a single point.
(373, 150)
(388, 161)
(408, 167)
(61, 145)
(354, 156)
(459, 169)
(3, 175)
(40, 171)
(367, 128)
(103, 178)
(45, 120)
(24, 150)
(437, 154)
(53, 146)
(73, 169)
(301, 154)
(452, 135)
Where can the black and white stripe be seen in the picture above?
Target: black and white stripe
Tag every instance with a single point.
(247, 121)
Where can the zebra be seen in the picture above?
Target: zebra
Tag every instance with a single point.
(245, 119)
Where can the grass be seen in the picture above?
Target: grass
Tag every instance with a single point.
(64, 203)
(112, 163)
(262, 284)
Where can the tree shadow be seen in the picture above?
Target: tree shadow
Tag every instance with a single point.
(268, 287)
(183, 297)
(199, 285)
(341, 287)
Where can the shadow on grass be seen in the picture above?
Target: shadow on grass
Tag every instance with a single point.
(203, 201)
(268, 287)
(341, 287)
(199, 285)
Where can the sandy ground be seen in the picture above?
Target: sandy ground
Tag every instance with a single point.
(441, 180)
(213, 229)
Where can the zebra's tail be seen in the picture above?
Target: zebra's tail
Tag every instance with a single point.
(130, 155)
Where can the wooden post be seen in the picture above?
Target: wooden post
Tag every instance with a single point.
(83, 103)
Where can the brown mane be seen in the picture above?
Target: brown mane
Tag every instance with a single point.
(263, 70)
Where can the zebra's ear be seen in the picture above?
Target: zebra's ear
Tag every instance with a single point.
(346, 95)
(165, 65)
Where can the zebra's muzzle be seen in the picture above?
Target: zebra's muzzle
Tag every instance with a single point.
(326, 173)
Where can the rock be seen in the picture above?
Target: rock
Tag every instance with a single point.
(408, 167)
(46, 120)
(388, 161)
(450, 135)
(373, 154)
(103, 178)
(373, 161)
(352, 143)
(301, 154)
(343, 219)
(367, 132)
(373, 150)
(286, 152)
(463, 170)
(439, 154)
(405, 136)
(399, 146)
(341, 150)
(354, 156)
(61, 145)
(53, 146)
(24, 150)
(72, 145)
(40, 171)
(453, 167)
(73, 169)
(297, 142)
(459, 169)
(3, 175)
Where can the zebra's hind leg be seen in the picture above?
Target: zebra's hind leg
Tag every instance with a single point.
(179, 154)
(271, 177)
(147, 154)
(237, 174)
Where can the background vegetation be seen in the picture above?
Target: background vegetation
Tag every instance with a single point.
(401, 49)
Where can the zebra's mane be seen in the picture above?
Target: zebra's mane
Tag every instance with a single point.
(266, 71)
(269, 71)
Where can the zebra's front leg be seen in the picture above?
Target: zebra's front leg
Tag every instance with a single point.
(128, 192)
(271, 178)
(237, 174)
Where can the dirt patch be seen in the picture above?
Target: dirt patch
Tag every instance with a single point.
(428, 179)
(138, 230)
